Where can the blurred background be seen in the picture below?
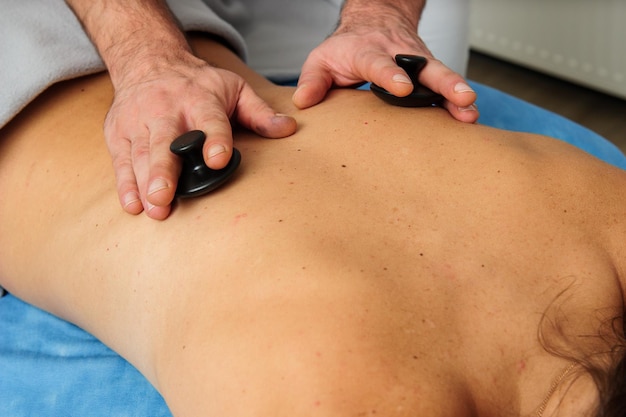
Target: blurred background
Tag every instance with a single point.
(567, 56)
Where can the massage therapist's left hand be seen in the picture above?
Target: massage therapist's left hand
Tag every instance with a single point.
(370, 34)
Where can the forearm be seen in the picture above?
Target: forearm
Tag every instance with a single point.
(131, 36)
(360, 11)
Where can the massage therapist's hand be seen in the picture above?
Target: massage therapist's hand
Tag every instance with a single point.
(151, 109)
(370, 34)
(161, 91)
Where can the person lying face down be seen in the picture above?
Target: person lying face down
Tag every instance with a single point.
(379, 261)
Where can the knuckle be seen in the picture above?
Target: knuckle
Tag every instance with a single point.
(166, 165)
(140, 149)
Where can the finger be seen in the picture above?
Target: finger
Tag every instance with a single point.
(313, 84)
(383, 71)
(140, 155)
(158, 212)
(215, 123)
(140, 160)
(165, 167)
(468, 114)
(448, 83)
(459, 96)
(126, 183)
(255, 114)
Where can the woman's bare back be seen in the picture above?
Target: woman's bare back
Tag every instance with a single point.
(381, 259)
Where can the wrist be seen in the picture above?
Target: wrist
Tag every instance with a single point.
(379, 13)
(145, 56)
(132, 37)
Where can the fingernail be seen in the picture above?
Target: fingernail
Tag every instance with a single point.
(468, 108)
(401, 78)
(130, 198)
(157, 185)
(463, 88)
(279, 116)
(298, 89)
(216, 150)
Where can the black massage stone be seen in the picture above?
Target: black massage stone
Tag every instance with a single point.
(421, 96)
(196, 178)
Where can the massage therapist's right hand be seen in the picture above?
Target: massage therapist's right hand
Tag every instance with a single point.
(153, 107)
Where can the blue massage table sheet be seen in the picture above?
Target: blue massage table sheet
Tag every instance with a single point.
(50, 368)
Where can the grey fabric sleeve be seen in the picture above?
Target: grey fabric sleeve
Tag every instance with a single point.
(44, 43)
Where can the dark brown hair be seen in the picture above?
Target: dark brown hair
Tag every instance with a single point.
(611, 379)
(601, 356)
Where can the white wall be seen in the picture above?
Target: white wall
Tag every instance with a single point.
(583, 41)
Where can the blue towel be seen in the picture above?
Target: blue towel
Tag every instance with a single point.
(50, 368)
(504, 111)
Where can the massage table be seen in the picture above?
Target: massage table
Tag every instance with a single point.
(51, 368)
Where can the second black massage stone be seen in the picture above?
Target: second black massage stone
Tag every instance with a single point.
(196, 178)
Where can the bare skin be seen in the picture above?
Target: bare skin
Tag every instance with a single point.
(380, 261)
(162, 89)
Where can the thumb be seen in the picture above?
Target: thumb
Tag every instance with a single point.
(313, 85)
(255, 114)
